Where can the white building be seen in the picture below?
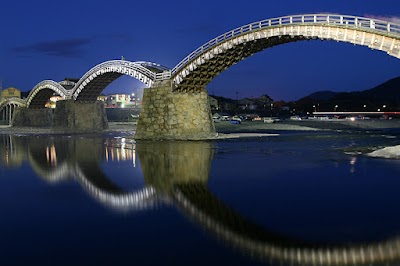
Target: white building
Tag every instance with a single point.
(119, 100)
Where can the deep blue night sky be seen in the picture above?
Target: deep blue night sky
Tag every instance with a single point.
(49, 40)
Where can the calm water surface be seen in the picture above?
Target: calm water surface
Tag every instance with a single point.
(298, 198)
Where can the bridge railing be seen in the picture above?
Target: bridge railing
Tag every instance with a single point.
(12, 101)
(47, 84)
(150, 64)
(140, 66)
(163, 75)
(369, 24)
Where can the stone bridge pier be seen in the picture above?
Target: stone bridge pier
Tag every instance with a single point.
(77, 116)
(174, 115)
(69, 116)
(25, 117)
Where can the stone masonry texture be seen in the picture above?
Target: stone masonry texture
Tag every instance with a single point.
(167, 114)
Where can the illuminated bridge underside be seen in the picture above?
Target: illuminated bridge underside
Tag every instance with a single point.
(41, 98)
(89, 87)
(96, 86)
(196, 200)
(195, 73)
(214, 63)
(42, 92)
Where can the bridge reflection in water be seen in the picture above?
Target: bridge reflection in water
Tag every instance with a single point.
(176, 173)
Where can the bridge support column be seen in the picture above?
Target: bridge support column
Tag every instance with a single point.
(24, 117)
(174, 115)
(78, 116)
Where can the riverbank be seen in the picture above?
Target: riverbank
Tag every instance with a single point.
(307, 125)
(251, 128)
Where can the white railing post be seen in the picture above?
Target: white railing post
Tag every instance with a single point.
(315, 19)
(341, 20)
(372, 24)
(388, 27)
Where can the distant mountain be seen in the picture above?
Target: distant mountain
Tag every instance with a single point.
(387, 93)
(321, 95)
(389, 89)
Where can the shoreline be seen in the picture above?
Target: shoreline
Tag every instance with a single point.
(224, 128)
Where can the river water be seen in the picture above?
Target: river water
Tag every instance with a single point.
(300, 198)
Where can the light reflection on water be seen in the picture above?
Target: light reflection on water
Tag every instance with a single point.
(292, 199)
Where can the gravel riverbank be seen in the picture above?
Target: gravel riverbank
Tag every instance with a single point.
(307, 125)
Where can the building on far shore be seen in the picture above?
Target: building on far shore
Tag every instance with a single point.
(102, 98)
(248, 104)
(10, 92)
(213, 103)
(118, 100)
(121, 101)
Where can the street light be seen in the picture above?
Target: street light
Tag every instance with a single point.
(315, 108)
(336, 106)
(272, 106)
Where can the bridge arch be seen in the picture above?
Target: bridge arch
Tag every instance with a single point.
(8, 107)
(89, 87)
(42, 92)
(205, 63)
